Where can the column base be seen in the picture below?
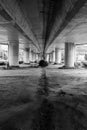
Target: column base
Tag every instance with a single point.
(69, 67)
(26, 63)
(57, 63)
(13, 67)
(66, 67)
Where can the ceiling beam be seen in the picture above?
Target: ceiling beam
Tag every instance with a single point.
(13, 10)
(69, 10)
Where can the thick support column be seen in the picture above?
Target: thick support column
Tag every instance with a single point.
(39, 56)
(13, 50)
(69, 55)
(58, 55)
(30, 55)
(50, 57)
(47, 58)
(75, 55)
(33, 56)
(53, 56)
(26, 55)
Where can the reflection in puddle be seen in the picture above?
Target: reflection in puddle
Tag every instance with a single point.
(64, 112)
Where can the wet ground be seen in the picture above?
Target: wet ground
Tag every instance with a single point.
(43, 99)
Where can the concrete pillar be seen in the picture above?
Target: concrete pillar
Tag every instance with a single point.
(75, 55)
(47, 58)
(39, 56)
(33, 56)
(58, 55)
(50, 57)
(26, 55)
(36, 57)
(30, 55)
(53, 56)
(13, 49)
(69, 55)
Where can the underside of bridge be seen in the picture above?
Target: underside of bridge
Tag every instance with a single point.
(43, 24)
(43, 64)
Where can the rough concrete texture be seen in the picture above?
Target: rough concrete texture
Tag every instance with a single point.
(14, 11)
(43, 99)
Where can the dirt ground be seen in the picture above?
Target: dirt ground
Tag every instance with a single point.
(43, 99)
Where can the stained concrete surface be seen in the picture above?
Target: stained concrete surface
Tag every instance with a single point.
(43, 99)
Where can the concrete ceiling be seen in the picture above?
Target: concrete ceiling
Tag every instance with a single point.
(45, 22)
(76, 30)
